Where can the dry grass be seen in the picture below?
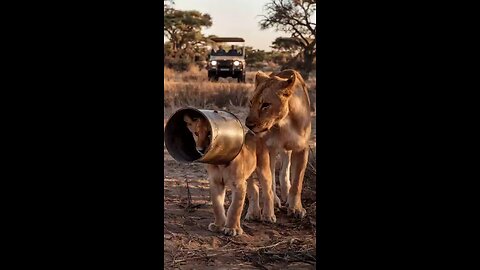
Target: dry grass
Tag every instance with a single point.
(192, 88)
(311, 171)
(310, 184)
(201, 94)
(194, 74)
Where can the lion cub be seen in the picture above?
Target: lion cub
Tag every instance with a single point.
(234, 175)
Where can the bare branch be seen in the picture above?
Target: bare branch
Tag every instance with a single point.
(284, 16)
(293, 17)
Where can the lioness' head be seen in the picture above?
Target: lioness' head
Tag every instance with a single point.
(269, 103)
(199, 127)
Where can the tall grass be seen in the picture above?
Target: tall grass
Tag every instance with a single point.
(201, 94)
(192, 88)
(194, 74)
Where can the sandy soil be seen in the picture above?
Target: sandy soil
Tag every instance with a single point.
(189, 245)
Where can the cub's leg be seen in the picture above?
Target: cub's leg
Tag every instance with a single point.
(239, 190)
(217, 193)
(273, 157)
(299, 164)
(254, 211)
(285, 174)
(265, 178)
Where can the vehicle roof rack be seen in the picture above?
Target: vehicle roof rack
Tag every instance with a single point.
(227, 39)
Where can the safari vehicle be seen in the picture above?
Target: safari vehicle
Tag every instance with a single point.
(227, 63)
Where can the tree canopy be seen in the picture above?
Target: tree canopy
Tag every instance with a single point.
(287, 44)
(183, 28)
(293, 17)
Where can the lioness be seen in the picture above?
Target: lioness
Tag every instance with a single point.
(280, 116)
(234, 175)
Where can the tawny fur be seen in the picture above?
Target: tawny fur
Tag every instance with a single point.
(233, 175)
(280, 116)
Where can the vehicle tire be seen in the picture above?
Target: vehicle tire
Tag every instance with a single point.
(215, 79)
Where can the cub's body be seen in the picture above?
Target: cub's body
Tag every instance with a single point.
(233, 175)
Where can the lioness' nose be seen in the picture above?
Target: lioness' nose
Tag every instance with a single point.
(249, 123)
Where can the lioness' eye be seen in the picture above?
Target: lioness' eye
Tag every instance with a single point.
(265, 105)
(196, 134)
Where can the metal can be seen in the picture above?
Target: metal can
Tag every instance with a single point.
(227, 137)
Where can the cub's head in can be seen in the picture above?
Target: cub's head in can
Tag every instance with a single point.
(200, 129)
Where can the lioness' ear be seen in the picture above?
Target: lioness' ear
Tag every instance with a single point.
(260, 77)
(286, 88)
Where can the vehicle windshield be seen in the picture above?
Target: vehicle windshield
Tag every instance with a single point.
(229, 50)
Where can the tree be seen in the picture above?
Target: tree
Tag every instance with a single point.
(183, 29)
(167, 4)
(278, 57)
(255, 58)
(287, 44)
(294, 17)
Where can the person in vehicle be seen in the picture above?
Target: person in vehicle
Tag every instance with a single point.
(232, 51)
(220, 50)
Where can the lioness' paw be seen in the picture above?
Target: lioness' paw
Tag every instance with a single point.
(232, 231)
(297, 212)
(269, 218)
(252, 216)
(214, 227)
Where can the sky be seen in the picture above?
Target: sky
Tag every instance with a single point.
(232, 18)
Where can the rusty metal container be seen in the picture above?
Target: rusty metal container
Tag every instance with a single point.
(227, 137)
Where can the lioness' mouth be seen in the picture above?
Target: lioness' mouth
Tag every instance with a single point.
(260, 131)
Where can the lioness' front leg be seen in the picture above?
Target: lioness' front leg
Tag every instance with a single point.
(285, 156)
(254, 211)
(299, 164)
(265, 178)
(217, 193)
(232, 227)
(273, 156)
